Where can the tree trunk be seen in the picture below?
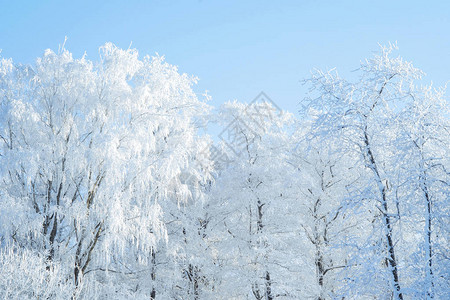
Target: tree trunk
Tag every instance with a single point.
(268, 287)
(320, 272)
(193, 277)
(428, 246)
(386, 218)
(153, 275)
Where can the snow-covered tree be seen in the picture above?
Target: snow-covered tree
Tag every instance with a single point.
(89, 151)
(424, 142)
(109, 191)
(254, 233)
(365, 118)
(323, 205)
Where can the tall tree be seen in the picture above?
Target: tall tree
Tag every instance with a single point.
(322, 176)
(360, 114)
(251, 207)
(423, 140)
(87, 153)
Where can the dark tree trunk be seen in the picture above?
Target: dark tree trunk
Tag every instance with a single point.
(268, 287)
(429, 250)
(153, 275)
(386, 219)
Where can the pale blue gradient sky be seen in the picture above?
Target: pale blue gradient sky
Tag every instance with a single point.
(237, 48)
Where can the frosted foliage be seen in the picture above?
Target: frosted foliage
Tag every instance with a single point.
(398, 135)
(89, 151)
(109, 191)
(23, 276)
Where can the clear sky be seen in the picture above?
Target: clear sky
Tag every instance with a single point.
(237, 48)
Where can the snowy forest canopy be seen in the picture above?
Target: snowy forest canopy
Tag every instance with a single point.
(108, 189)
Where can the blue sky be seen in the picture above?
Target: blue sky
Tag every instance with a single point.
(237, 48)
